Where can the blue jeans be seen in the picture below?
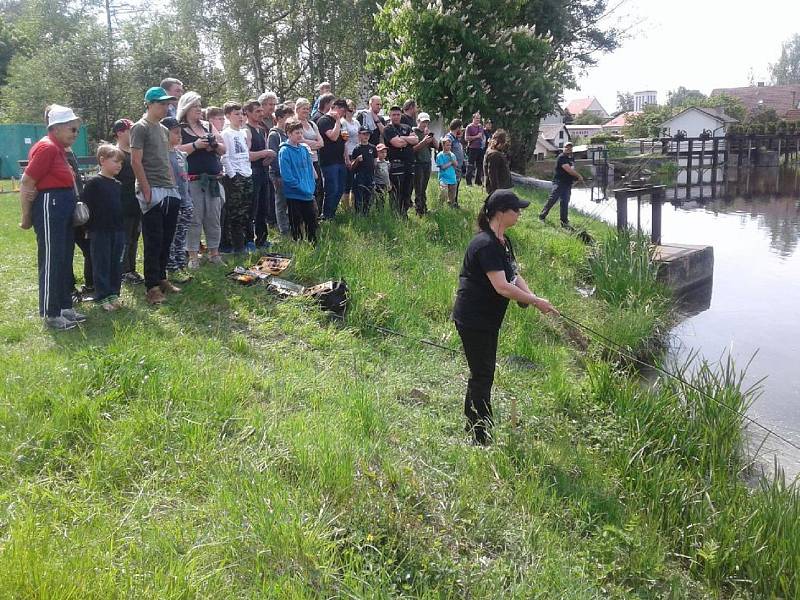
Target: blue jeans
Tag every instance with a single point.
(333, 177)
(561, 193)
(107, 252)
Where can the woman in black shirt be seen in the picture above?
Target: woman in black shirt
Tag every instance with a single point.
(488, 280)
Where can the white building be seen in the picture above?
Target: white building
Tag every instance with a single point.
(577, 132)
(642, 99)
(693, 121)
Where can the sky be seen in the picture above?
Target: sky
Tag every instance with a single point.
(698, 44)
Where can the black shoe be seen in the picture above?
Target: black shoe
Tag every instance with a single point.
(541, 218)
(567, 226)
(133, 278)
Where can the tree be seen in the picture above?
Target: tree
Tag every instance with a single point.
(787, 69)
(683, 96)
(509, 60)
(589, 118)
(624, 102)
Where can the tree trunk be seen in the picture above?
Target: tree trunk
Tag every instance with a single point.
(523, 146)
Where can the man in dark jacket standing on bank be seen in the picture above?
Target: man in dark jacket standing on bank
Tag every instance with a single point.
(563, 178)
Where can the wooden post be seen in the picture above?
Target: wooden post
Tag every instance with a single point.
(656, 201)
(702, 160)
(689, 163)
(622, 210)
(739, 155)
(779, 151)
(714, 161)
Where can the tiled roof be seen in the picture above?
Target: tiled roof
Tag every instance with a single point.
(793, 115)
(620, 120)
(780, 98)
(577, 106)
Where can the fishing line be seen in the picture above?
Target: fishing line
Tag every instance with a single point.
(610, 345)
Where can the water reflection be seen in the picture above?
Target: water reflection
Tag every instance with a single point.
(752, 219)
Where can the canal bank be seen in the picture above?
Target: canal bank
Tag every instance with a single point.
(751, 309)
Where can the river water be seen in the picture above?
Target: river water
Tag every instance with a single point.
(752, 309)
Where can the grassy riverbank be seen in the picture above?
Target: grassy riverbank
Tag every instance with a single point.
(228, 445)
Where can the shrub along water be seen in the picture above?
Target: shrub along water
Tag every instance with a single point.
(232, 445)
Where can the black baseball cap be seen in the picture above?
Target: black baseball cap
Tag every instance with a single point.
(363, 130)
(504, 199)
(170, 122)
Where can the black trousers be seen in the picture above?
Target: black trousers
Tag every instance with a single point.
(475, 165)
(55, 237)
(158, 229)
(107, 254)
(133, 227)
(260, 208)
(82, 242)
(480, 348)
(401, 178)
(561, 193)
(302, 212)
(422, 175)
(319, 190)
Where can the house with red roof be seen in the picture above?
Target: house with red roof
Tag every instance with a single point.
(780, 98)
(590, 105)
(615, 125)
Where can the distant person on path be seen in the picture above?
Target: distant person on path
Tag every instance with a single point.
(103, 195)
(298, 174)
(422, 161)
(47, 199)
(159, 199)
(489, 278)
(400, 141)
(496, 165)
(474, 136)
(372, 120)
(131, 213)
(277, 135)
(563, 178)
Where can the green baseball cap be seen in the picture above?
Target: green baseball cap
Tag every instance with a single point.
(157, 94)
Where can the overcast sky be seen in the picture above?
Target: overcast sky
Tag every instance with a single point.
(699, 44)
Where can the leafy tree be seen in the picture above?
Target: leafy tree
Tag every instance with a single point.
(787, 69)
(624, 102)
(509, 60)
(589, 118)
(683, 96)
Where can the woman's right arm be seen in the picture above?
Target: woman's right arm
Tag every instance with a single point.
(27, 194)
(512, 292)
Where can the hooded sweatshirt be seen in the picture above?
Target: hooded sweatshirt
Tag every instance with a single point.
(297, 172)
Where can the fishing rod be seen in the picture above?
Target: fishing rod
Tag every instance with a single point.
(610, 345)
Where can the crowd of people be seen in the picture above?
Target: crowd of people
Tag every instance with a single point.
(198, 182)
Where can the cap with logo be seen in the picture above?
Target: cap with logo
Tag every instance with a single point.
(170, 122)
(121, 125)
(157, 94)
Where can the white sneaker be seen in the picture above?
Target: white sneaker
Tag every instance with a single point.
(60, 323)
(216, 260)
(72, 315)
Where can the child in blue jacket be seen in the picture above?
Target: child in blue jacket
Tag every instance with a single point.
(297, 172)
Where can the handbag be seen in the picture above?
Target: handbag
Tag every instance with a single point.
(80, 215)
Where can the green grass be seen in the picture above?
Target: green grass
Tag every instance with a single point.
(230, 445)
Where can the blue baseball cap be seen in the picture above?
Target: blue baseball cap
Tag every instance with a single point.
(157, 94)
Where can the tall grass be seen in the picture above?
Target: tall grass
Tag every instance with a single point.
(681, 455)
(230, 445)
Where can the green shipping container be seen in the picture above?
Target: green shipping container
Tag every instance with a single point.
(16, 141)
